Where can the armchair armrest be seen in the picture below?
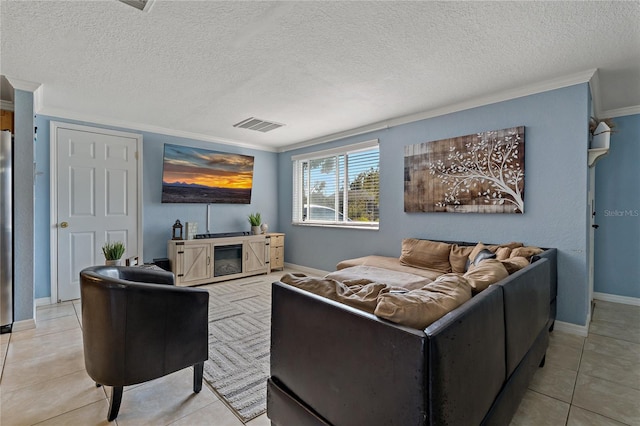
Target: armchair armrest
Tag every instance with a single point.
(144, 275)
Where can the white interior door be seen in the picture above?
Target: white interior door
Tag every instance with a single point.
(97, 194)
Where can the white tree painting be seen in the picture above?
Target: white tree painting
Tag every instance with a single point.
(479, 173)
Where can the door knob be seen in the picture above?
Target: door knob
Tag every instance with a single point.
(64, 225)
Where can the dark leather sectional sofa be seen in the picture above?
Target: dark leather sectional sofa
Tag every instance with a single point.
(335, 365)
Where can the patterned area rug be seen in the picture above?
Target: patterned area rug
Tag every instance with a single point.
(239, 340)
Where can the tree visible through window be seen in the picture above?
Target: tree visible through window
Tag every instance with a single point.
(338, 186)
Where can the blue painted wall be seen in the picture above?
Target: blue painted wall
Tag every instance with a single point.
(617, 242)
(158, 218)
(555, 194)
(556, 143)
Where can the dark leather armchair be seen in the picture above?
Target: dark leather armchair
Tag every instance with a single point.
(138, 326)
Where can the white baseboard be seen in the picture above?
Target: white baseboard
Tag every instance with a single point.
(43, 301)
(312, 271)
(567, 327)
(634, 301)
(23, 325)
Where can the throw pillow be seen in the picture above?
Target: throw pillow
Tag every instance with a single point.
(527, 251)
(512, 245)
(420, 308)
(426, 254)
(458, 257)
(487, 272)
(503, 253)
(514, 264)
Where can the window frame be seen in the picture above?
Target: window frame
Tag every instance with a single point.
(299, 160)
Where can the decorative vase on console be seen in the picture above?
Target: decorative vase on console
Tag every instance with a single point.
(264, 228)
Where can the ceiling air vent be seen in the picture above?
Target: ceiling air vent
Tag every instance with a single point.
(143, 5)
(253, 123)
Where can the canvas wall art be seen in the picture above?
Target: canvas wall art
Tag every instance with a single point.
(478, 173)
(196, 175)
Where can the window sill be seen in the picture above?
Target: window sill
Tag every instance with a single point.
(374, 227)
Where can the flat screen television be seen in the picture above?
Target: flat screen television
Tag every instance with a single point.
(195, 175)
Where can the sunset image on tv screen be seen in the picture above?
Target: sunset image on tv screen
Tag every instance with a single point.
(195, 175)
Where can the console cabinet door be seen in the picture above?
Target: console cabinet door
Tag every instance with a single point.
(255, 256)
(194, 263)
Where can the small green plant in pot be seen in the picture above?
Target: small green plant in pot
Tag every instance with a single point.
(255, 220)
(113, 252)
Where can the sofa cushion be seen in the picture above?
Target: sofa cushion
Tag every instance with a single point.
(426, 254)
(458, 257)
(514, 264)
(487, 272)
(421, 307)
(361, 296)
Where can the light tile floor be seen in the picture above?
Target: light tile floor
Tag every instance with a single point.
(586, 381)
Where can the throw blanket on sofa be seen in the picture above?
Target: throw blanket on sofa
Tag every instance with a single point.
(355, 274)
(415, 308)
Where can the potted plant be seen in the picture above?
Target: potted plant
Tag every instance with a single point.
(113, 252)
(255, 220)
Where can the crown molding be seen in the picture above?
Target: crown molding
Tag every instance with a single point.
(620, 112)
(129, 125)
(589, 76)
(334, 136)
(38, 99)
(532, 89)
(594, 88)
(27, 86)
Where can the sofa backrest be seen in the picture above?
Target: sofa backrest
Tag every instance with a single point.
(551, 255)
(526, 309)
(467, 360)
(349, 366)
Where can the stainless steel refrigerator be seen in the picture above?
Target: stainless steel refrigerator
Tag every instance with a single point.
(6, 237)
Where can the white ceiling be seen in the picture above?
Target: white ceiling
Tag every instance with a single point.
(196, 68)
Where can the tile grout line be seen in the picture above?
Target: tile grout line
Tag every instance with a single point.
(4, 359)
(575, 383)
(582, 351)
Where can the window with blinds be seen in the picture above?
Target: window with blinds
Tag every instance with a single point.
(340, 186)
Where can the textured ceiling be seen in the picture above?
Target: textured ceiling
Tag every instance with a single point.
(321, 68)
